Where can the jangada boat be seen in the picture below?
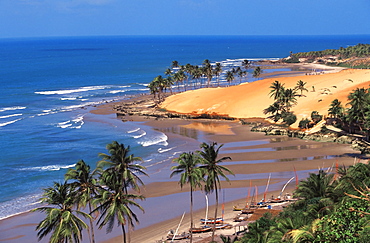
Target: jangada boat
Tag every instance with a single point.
(181, 236)
(201, 229)
(212, 221)
(223, 226)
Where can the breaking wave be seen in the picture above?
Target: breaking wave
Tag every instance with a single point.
(13, 115)
(48, 167)
(13, 108)
(70, 91)
(9, 122)
(159, 140)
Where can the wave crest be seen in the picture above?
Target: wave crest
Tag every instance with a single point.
(48, 167)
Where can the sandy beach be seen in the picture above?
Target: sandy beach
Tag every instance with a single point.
(254, 155)
(248, 100)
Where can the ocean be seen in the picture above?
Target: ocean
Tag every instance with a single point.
(49, 85)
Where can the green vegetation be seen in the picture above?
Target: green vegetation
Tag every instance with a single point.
(357, 56)
(191, 77)
(104, 190)
(330, 208)
(359, 50)
(284, 100)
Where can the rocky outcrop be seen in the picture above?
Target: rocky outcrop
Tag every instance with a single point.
(318, 136)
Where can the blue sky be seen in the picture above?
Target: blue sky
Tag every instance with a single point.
(39, 18)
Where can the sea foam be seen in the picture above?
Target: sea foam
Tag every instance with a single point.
(48, 167)
(13, 115)
(12, 108)
(70, 91)
(159, 140)
(9, 122)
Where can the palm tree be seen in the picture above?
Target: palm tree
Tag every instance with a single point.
(316, 186)
(245, 63)
(86, 187)
(229, 77)
(275, 110)
(115, 204)
(159, 83)
(175, 64)
(336, 109)
(217, 71)
(277, 89)
(305, 233)
(61, 220)
(241, 74)
(190, 173)
(359, 100)
(168, 72)
(124, 163)
(196, 74)
(207, 71)
(301, 86)
(257, 72)
(213, 171)
(121, 174)
(288, 99)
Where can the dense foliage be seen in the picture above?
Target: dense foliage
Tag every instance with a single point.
(331, 207)
(359, 50)
(189, 76)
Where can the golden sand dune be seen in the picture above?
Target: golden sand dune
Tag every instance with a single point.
(248, 100)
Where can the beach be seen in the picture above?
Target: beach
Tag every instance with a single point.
(254, 155)
(248, 100)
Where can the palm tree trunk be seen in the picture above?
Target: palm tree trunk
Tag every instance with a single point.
(191, 214)
(123, 233)
(91, 227)
(214, 225)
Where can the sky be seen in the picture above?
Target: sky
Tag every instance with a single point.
(46, 18)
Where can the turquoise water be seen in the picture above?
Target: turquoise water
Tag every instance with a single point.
(49, 85)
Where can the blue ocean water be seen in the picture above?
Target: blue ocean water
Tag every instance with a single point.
(49, 85)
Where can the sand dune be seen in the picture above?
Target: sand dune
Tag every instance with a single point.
(248, 100)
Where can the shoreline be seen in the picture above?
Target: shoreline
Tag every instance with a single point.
(223, 136)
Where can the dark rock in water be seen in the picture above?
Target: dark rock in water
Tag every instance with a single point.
(277, 131)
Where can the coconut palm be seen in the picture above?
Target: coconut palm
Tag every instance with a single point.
(336, 109)
(121, 169)
(305, 233)
(208, 71)
(229, 77)
(316, 186)
(257, 72)
(277, 90)
(275, 110)
(288, 99)
(190, 173)
(62, 220)
(301, 86)
(84, 180)
(115, 204)
(245, 63)
(179, 77)
(359, 100)
(175, 64)
(119, 160)
(217, 71)
(196, 75)
(213, 171)
(241, 74)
